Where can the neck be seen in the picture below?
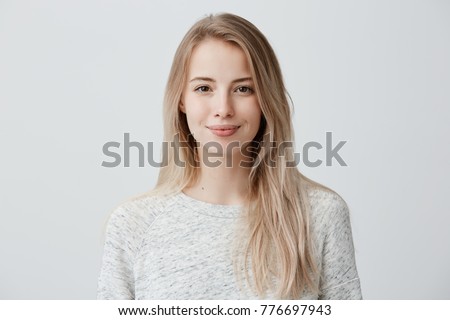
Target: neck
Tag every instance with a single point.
(224, 184)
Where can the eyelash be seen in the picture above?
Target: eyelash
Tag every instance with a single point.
(249, 90)
(200, 87)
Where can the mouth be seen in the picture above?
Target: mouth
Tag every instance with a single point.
(223, 130)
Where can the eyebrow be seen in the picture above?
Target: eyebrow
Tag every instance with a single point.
(212, 80)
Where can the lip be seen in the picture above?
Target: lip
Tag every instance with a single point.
(223, 130)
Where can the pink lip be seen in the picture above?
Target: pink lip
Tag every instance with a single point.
(223, 130)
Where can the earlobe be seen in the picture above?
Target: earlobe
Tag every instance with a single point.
(181, 107)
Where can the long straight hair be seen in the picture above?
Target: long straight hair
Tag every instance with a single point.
(277, 240)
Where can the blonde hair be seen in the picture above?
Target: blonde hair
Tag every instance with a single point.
(277, 237)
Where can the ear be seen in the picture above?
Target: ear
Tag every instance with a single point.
(181, 107)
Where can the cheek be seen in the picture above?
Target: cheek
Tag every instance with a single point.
(256, 121)
(196, 111)
(254, 114)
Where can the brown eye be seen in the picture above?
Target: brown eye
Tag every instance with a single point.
(244, 90)
(202, 89)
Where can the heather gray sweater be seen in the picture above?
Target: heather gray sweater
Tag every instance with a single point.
(181, 248)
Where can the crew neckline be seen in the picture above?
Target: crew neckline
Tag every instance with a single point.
(211, 209)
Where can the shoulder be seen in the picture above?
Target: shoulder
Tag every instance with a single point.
(323, 198)
(328, 208)
(133, 216)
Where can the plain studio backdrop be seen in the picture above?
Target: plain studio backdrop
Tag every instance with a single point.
(75, 75)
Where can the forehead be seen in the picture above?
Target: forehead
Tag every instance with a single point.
(213, 57)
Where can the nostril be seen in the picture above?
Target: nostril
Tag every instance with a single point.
(224, 114)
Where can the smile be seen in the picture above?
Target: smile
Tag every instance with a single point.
(223, 130)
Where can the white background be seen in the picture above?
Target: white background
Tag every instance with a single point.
(77, 74)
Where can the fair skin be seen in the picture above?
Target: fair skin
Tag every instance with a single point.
(221, 108)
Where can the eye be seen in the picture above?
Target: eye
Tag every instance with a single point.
(245, 90)
(202, 89)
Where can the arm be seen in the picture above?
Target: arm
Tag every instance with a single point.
(116, 280)
(339, 278)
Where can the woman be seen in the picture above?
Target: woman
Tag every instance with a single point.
(230, 217)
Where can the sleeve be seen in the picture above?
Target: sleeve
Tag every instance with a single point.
(339, 277)
(116, 279)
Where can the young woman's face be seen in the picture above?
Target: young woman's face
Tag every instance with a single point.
(219, 98)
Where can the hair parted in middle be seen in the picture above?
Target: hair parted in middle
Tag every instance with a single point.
(277, 238)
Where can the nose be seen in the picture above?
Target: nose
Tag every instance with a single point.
(224, 106)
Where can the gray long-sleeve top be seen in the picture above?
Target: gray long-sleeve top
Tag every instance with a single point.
(181, 248)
